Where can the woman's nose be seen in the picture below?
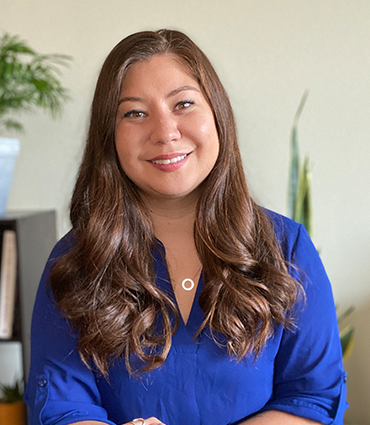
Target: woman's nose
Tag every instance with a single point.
(164, 128)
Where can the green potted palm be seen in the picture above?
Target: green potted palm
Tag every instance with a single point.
(12, 409)
(300, 210)
(28, 81)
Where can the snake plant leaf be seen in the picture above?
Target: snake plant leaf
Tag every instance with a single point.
(347, 340)
(300, 210)
(300, 180)
(293, 187)
(293, 174)
(345, 314)
(303, 209)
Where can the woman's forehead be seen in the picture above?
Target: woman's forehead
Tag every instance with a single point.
(163, 70)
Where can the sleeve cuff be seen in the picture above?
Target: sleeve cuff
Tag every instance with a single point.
(306, 408)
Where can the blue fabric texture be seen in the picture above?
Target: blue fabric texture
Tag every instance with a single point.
(299, 372)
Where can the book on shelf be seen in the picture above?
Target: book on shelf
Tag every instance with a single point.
(8, 279)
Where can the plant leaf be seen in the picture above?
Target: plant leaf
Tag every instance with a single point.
(12, 393)
(10, 124)
(303, 212)
(345, 314)
(293, 175)
(28, 80)
(294, 168)
(347, 341)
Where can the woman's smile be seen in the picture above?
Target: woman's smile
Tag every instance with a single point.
(169, 163)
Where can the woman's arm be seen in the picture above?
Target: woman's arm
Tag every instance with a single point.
(89, 423)
(277, 418)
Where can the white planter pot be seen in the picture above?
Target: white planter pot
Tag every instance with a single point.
(9, 150)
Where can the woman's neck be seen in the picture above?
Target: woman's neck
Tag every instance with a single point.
(172, 217)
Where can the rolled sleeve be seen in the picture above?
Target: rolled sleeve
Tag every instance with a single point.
(309, 380)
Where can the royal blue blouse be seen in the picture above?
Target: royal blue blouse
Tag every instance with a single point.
(299, 372)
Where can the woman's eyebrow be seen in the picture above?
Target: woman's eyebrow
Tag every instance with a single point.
(130, 99)
(180, 89)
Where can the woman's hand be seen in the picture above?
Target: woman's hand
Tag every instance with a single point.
(148, 421)
(139, 421)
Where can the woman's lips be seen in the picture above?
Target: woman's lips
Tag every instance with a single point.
(170, 162)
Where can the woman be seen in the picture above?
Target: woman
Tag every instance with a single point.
(176, 298)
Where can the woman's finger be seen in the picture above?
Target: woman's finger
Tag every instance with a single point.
(149, 421)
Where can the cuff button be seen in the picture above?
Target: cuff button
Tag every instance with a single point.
(42, 382)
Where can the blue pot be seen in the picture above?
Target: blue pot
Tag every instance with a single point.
(9, 150)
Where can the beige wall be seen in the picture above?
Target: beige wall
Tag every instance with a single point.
(267, 53)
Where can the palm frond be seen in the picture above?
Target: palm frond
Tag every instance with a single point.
(29, 80)
(12, 393)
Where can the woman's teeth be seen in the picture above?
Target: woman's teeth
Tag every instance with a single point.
(169, 161)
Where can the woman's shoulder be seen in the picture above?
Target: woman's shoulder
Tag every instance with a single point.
(284, 226)
(63, 246)
(288, 232)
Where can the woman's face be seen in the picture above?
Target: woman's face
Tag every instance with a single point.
(166, 136)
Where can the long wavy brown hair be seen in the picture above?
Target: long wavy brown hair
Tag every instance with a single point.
(105, 285)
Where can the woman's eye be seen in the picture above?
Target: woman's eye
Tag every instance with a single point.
(184, 104)
(134, 114)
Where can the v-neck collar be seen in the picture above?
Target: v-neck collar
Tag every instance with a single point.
(185, 332)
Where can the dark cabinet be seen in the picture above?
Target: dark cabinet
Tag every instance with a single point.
(35, 238)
